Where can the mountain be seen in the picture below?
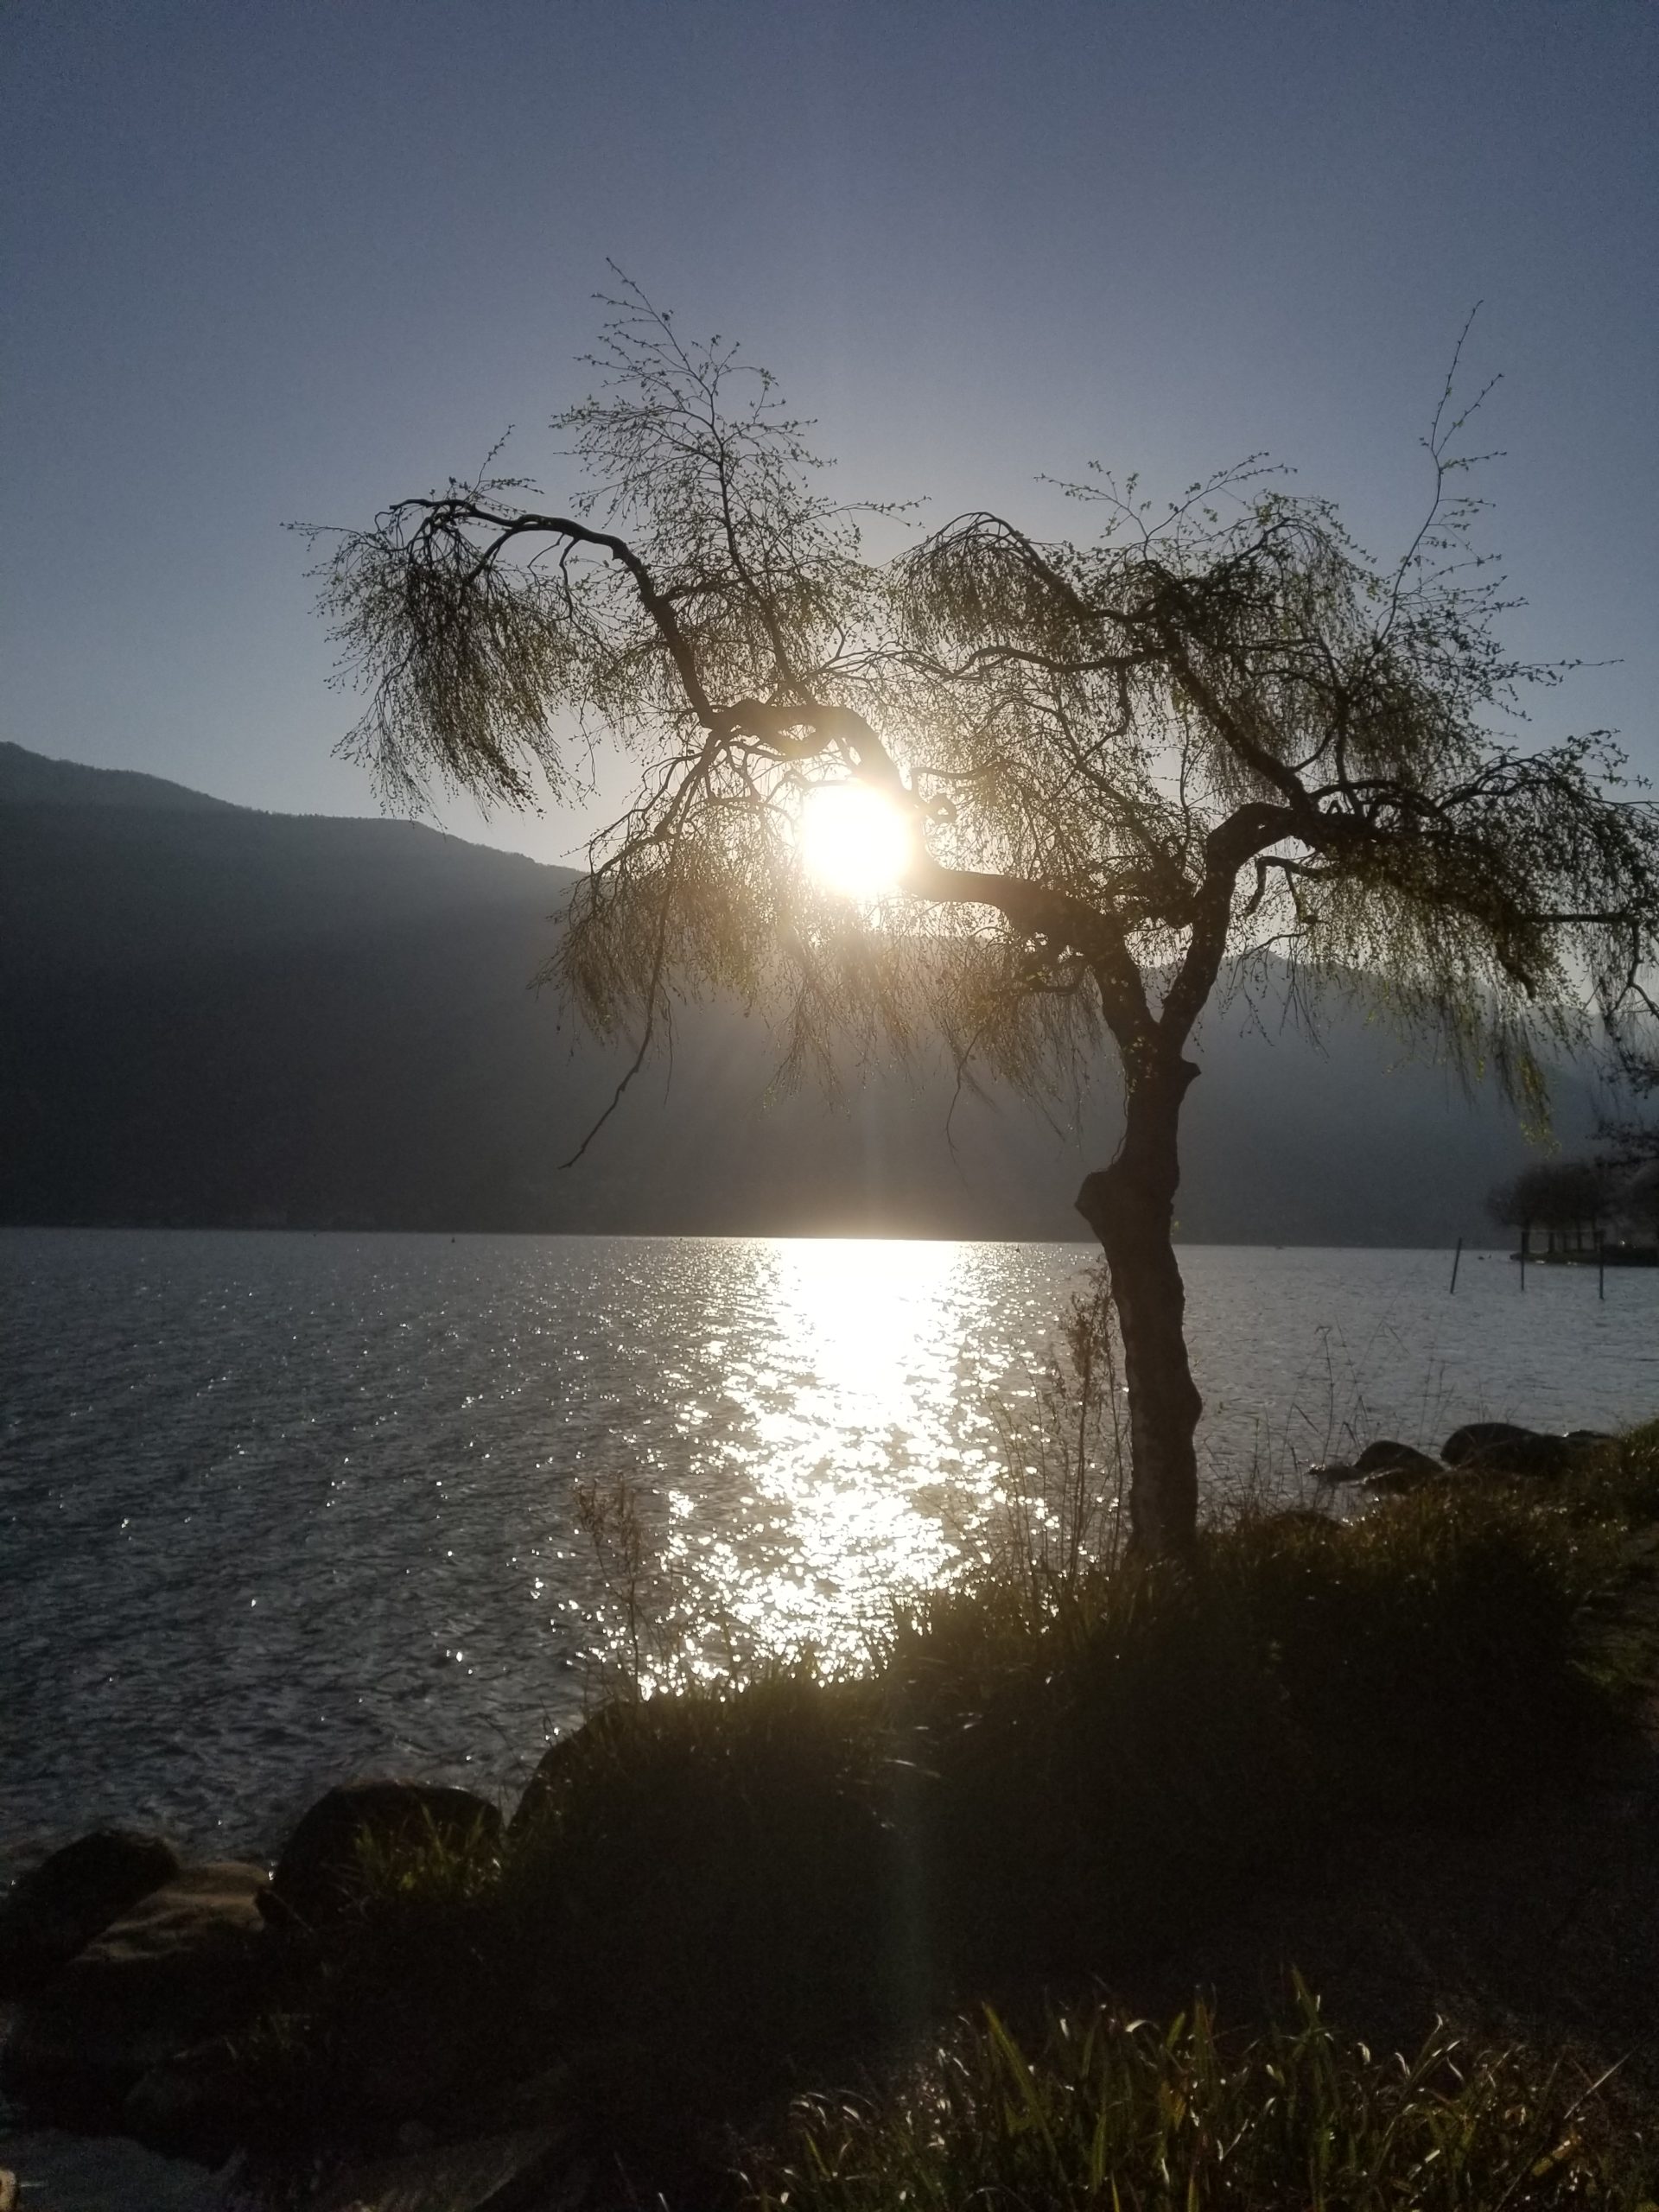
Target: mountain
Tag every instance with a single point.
(30, 779)
(212, 1015)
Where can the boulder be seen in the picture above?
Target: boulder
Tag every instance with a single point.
(199, 2105)
(564, 1760)
(187, 1963)
(321, 1862)
(1385, 1457)
(1500, 1447)
(1531, 1455)
(56, 1908)
(108, 2173)
(541, 1792)
(531, 2169)
(420, 2053)
(1478, 1440)
(1392, 1482)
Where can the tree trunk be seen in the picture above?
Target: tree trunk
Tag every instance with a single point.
(1131, 1208)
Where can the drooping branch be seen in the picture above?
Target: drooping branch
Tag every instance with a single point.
(1204, 734)
(1207, 732)
(443, 518)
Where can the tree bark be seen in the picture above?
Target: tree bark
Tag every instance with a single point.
(1130, 1205)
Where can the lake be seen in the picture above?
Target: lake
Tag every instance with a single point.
(279, 1509)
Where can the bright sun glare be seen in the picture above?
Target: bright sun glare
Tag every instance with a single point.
(854, 840)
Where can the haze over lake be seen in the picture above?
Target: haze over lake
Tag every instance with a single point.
(285, 1507)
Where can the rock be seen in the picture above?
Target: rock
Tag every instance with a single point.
(1392, 1482)
(1500, 1447)
(1387, 1458)
(1531, 1455)
(8, 2191)
(417, 2054)
(57, 2172)
(533, 2169)
(187, 1963)
(1388, 1469)
(1478, 1438)
(321, 1867)
(54, 1910)
(542, 1790)
(564, 1760)
(198, 2105)
(1384, 1458)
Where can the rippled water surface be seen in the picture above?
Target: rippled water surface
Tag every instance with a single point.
(275, 1509)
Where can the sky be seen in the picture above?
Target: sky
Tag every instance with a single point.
(268, 264)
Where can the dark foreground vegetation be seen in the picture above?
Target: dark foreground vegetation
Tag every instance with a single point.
(1105, 2111)
(1054, 1796)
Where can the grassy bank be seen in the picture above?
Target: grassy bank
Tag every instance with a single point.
(716, 1899)
(1098, 2111)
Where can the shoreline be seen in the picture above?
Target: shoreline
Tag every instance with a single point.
(618, 1804)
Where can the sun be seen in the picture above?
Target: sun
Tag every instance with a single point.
(854, 840)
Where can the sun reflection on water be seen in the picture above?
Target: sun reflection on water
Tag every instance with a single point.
(380, 1438)
(852, 1440)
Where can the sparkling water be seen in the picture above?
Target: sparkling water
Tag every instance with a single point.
(276, 1510)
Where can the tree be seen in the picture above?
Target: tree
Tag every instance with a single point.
(1562, 1197)
(1514, 1204)
(1125, 765)
(1626, 1127)
(1641, 1198)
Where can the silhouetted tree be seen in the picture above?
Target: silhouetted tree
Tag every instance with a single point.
(1508, 1204)
(1640, 1199)
(1629, 1130)
(1564, 1198)
(1125, 761)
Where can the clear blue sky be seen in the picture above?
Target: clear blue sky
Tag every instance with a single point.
(269, 262)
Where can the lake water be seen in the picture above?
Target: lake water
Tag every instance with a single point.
(275, 1509)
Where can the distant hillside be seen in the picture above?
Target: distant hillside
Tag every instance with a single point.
(212, 1015)
(30, 779)
(100, 869)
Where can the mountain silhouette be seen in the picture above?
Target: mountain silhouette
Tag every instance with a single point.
(214, 1016)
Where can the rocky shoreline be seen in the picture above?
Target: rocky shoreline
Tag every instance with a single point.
(1387, 1469)
(139, 1984)
(129, 1976)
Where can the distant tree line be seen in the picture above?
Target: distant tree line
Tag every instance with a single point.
(1615, 1192)
(1572, 1202)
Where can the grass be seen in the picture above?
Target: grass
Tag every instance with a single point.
(1618, 1486)
(1120, 2115)
(720, 1894)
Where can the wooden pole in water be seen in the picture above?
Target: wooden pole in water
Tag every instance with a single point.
(1601, 1265)
(1525, 1239)
(1456, 1256)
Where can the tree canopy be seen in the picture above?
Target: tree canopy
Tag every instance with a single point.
(1565, 1195)
(1128, 760)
